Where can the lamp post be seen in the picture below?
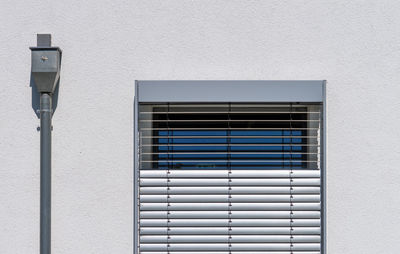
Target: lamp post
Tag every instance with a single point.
(46, 63)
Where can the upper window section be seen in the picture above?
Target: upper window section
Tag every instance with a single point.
(229, 136)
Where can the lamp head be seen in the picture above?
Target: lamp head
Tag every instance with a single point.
(46, 64)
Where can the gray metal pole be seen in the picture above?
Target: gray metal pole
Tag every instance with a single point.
(46, 64)
(45, 173)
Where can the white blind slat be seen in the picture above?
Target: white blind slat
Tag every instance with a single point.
(234, 246)
(234, 214)
(232, 239)
(234, 190)
(231, 206)
(230, 230)
(234, 222)
(224, 173)
(230, 252)
(232, 182)
(234, 198)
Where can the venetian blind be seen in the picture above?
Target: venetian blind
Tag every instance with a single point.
(229, 178)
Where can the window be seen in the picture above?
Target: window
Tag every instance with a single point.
(229, 135)
(228, 176)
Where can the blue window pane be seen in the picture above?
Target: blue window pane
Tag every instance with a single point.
(189, 138)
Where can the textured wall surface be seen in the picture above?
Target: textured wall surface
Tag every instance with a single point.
(108, 44)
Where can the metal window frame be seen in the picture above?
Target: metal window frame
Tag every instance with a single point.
(155, 91)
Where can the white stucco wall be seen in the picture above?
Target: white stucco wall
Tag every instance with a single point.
(108, 44)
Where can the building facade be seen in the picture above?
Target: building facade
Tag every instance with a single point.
(354, 46)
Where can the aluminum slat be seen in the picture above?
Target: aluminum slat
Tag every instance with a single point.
(230, 230)
(232, 190)
(230, 206)
(236, 173)
(232, 239)
(229, 182)
(233, 198)
(233, 215)
(232, 222)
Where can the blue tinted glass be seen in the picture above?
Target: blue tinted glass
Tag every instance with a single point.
(220, 136)
(241, 156)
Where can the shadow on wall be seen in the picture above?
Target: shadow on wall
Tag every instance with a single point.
(36, 97)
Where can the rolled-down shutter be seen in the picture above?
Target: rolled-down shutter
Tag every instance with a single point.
(229, 178)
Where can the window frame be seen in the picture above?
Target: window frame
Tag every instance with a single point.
(306, 91)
